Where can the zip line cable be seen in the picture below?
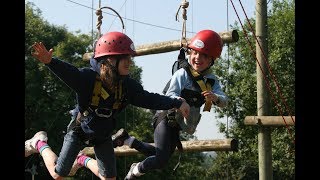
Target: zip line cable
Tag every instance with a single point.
(264, 75)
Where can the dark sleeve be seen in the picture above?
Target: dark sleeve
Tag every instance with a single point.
(139, 97)
(69, 74)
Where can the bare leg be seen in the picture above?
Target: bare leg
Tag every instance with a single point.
(93, 166)
(48, 155)
(49, 158)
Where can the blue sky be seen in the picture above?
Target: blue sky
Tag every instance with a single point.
(147, 22)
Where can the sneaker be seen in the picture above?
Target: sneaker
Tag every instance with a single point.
(130, 175)
(119, 137)
(76, 165)
(30, 145)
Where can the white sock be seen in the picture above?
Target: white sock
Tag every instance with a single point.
(129, 141)
(136, 172)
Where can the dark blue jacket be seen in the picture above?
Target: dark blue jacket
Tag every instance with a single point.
(82, 80)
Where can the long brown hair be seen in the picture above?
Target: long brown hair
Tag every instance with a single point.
(109, 74)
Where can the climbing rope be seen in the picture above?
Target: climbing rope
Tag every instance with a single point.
(228, 80)
(100, 17)
(119, 11)
(184, 5)
(264, 75)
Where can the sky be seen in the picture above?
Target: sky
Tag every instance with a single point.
(147, 22)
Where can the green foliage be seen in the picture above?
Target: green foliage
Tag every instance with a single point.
(240, 86)
(47, 100)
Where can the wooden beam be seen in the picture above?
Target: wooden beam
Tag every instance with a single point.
(168, 46)
(270, 120)
(188, 146)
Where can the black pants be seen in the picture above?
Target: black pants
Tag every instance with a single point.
(165, 139)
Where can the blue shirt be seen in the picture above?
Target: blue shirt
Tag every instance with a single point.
(181, 80)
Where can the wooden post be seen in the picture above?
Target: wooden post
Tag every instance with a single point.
(168, 46)
(263, 102)
(188, 146)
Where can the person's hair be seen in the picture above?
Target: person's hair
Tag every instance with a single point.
(109, 74)
(107, 71)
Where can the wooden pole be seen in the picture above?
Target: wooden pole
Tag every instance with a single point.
(270, 120)
(168, 46)
(188, 146)
(263, 100)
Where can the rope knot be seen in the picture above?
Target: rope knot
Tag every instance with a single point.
(185, 4)
(99, 14)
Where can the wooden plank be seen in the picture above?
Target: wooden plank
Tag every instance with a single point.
(270, 120)
(188, 146)
(168, 46)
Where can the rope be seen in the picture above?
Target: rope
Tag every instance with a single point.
(100, 17)
(92, 23)
(272, 75)
(228, 80)
(228, 49)
(119, 11)
(184, 5)
(99, 14)
(264, 75)
(135, 21)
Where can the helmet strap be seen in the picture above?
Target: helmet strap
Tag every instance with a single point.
(206, 71)
(212, 62)
(117, 66)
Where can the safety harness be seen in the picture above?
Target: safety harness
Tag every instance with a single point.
(196, 77)
(100, 92)
(193, 98)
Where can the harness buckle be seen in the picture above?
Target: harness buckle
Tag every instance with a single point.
(87, 112)
(103, 112)
(171, 119)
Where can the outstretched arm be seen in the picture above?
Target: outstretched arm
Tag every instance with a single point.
(66, 72)
(142, 98)
(41, 53)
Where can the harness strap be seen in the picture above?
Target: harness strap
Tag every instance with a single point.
(203, 86)
(180, 148)
(99, 91)
(96, 91)
(104, 94)
(207, 86)
(169, 116)
(118, 96)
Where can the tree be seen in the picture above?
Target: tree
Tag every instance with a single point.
(48, 100)
(240, 86)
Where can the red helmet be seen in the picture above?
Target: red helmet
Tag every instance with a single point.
(207, 42)
(114, 43)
